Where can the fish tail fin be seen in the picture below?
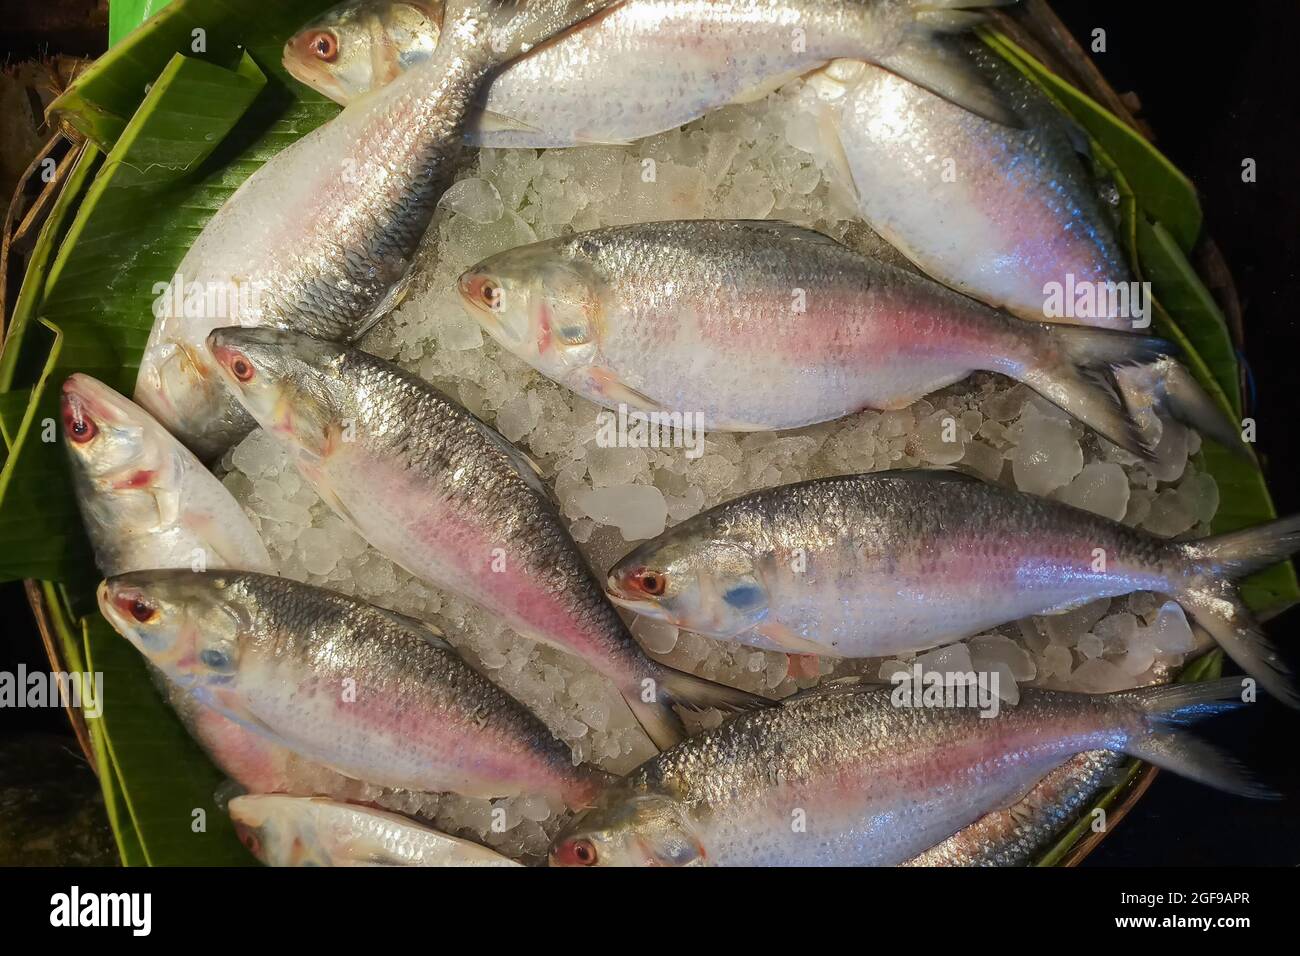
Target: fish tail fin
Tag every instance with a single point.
(678, 688)
(1166, 712)
(942, 70)
(1186, 401)
(658, 719)
(1074, 377)
(502, 30)
(1241, 553)
(1214, 605)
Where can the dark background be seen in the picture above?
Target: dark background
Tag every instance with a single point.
(1217, 84)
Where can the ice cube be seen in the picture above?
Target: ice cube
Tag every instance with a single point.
(1101, 487)
(1047, 455)
(1171, 632)
(474, 198)
(638, 511)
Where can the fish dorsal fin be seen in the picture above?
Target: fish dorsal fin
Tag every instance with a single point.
(839, 687)
(529, 470)
(939, 473)
(787, 230)
(421, 630)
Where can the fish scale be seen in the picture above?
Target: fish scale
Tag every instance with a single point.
(322, 236)
(685, 317)
(451, 501)
(900, 561)
(359, 689)
(844, 775)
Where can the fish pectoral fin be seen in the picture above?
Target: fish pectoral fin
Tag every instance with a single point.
(601, 381)
(768, 85)
(1072, 605)
(832, 146)
(788, 640)
(948, 74)
(488, 121)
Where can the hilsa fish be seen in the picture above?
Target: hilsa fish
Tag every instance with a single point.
(841, 776)
(321, 238)
(1021, 217)
(451, 501)
(146, 501)
(645, 66)
(1019, 834)
(688, 316)
(362, 690)
(898, 561)
(299, 831)
(999, 212)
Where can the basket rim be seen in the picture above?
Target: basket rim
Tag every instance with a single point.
(1035, 27)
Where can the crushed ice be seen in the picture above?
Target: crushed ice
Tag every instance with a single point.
(741, 162)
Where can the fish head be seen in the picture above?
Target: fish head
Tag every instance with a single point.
(178, 386)
(700, 581)
(362, 45)
(643, 829)
(125, 466)
(288, 382)
(105, 433)
(539, 303)
(279, 830)
(187, 624)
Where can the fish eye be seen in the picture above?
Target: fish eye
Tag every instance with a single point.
(490, 294)
(251, 841)
(577, 852)
(141, 611)
(80, 429)
(241, 368)
(324, 45)
(651, 582)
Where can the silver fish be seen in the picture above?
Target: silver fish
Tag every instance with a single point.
(450, 500)
(1019, 834)
(844, 776)
(646, 66)
(362, 690)
(687, 317)
(145, 500)
(897, 561)
(1000, 213)
(297, 831)
(321, 238)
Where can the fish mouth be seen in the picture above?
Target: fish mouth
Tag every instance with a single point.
(641, 605)
(84, 399)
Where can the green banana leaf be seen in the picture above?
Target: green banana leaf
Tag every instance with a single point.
(1160, 224)
(177, 132)
(174, 130)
